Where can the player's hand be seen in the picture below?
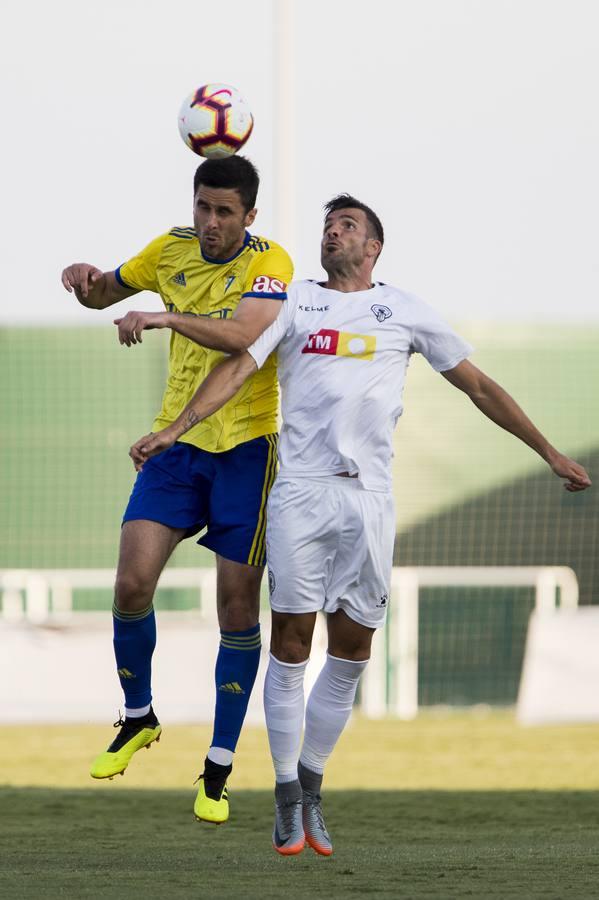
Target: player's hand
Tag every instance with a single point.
(576, 476)
(150, 445)
(131, 326)
(81, 278)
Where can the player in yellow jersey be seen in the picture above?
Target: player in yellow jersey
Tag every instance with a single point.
(221, 287)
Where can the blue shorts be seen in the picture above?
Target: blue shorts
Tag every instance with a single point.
(185, 487)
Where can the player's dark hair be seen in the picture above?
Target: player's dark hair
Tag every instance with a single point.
(346, 201)
(235, 172)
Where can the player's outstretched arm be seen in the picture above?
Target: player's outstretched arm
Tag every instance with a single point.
(218, 388)
(252, 317)
(502, 409)
(93, 288)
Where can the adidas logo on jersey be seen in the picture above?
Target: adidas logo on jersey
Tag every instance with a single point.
(179, 278)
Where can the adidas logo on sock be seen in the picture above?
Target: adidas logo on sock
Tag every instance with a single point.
(232, 687)
(125, 673)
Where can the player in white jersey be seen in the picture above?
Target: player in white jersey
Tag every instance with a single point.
(343, 349)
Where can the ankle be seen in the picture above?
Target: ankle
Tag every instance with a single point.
(309, 779)
(288, 791)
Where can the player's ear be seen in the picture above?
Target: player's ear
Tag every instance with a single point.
(374, 247)
(249, 217)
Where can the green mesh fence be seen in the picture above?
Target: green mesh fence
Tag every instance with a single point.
(466, 493)
(74, 401)
(471, 644)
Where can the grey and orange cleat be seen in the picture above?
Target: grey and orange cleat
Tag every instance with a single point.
(315, 829)
(288, 836)
(316, 832)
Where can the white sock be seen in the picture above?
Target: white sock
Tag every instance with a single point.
(220, 755)
(284, 712)
(328, 709)
(138, 712)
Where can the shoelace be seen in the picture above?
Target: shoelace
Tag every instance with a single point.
(286, 815)
(120, 721)
(313, 802)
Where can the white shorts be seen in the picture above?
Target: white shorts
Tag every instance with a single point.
(329, 546)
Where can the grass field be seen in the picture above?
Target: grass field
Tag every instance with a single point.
(448, 806)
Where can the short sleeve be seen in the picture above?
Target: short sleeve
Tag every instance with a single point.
(263, 346)
(438, 343)
(139, 272)
(268, 274)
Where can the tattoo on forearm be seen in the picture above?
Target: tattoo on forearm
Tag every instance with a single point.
(192, 418)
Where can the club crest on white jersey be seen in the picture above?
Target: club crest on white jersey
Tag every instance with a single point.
(381, 312)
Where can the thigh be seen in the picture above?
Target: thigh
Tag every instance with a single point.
(237, 594)
(144, 551)
(348, 639)
(173, 489)
(362, 577)
(237, 511)
(301, 544)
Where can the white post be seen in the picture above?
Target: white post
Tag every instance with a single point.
(374, 680)
(208, 595)
(568, 585)
(546, 591)
(13, 608)
(37, 596)
(404, 622)
(62, 597)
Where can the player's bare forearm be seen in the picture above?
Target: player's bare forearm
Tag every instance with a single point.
(234, 335)
(501, 408)
(218, 388)
(215, 334)
(92, 287)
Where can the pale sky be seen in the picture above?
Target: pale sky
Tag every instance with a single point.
(470, 126)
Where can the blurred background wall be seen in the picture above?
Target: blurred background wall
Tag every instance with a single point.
(469, 128)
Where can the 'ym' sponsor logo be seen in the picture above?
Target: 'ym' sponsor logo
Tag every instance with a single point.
(329, 342)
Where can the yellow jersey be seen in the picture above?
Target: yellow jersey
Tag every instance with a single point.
(174, 266)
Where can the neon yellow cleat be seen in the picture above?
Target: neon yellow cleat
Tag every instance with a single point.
(134, 734)
(212, 801)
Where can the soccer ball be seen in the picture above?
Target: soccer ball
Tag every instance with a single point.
(215, 121)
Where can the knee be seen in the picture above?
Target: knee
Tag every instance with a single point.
(132, 592)
(354, 651)
(238, 613)
(348, 639)
(290, 645)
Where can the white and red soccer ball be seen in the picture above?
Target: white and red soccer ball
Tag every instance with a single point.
(215, 121)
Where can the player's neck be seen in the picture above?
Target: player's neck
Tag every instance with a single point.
(348, 280)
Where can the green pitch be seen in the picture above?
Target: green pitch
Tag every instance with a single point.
(452, 806)
(128, 843)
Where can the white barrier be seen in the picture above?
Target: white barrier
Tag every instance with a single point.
(38, 595)
(405, 586)
(390, 684)
(561, 668)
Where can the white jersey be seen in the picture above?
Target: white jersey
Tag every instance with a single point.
(342, 360)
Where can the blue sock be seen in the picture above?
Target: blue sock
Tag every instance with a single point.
(235, 673)
(134, 641)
